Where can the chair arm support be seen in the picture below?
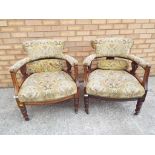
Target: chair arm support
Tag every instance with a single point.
(86, 74)
(87, 61)
(145, 78)
(19, 64)
(75, 76)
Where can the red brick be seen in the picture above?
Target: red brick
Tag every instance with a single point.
(15, 22)
(19, 34)
(108, 26)
(59, 28)
(99, 21)
(83, 21)
(75, 27)
(35, 34)
(42, 28)
(51, 22)
(4, 35)
(3, 23)
(90, 27)
(33, 22)
(67, 22)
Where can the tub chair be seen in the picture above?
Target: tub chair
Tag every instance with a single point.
(48, 75)
(114, 76)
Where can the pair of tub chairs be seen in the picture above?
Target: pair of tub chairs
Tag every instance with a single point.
(50, 76)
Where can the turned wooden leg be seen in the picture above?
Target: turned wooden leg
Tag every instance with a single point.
(23, 110)
(86, 103)
(138, 107)
(76, 105)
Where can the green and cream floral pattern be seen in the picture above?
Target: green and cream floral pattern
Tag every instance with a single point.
(44, 48)
(19, 64)
(114, 84)
(70, 59)
(87, 61)
(112, 46)
(113, 64)
(138, 60)
(47, 65)
(47, 86)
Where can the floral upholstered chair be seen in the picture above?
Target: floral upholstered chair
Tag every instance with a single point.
(112, 79)
(47, 75)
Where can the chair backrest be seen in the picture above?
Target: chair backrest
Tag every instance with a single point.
(111, 47)
(44, 49)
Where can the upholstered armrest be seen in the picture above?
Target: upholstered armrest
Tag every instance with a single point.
(70, 59)
(138, 60)
(19, 64)
(87, 61)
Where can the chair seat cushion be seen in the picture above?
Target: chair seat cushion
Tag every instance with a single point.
(47, 86)
(114, 84)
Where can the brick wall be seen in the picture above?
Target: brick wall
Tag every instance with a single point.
(77, 34)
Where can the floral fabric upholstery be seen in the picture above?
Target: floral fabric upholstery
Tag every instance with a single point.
(46, 86)
(87, 61)
(19, 64)
(70, 59)
(113, 64)
(114, 84)
(138, 60)
(112, 46)
(46, 65)
(44, 48)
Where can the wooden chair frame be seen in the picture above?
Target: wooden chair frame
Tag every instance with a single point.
(134, 65)
(17, 85)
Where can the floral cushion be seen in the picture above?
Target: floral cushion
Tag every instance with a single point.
(112, 46)
(44, 48)
(113, 64)
(114, 84)
(46, 65)
(47, 86)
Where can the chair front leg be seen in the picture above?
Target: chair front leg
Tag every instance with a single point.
(77, 95)
(138, 107)
(140, 103)
(86, 96)
(23, 110)
(76, 105)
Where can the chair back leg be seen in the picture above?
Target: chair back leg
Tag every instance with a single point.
(76, 105)
(86, 103)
